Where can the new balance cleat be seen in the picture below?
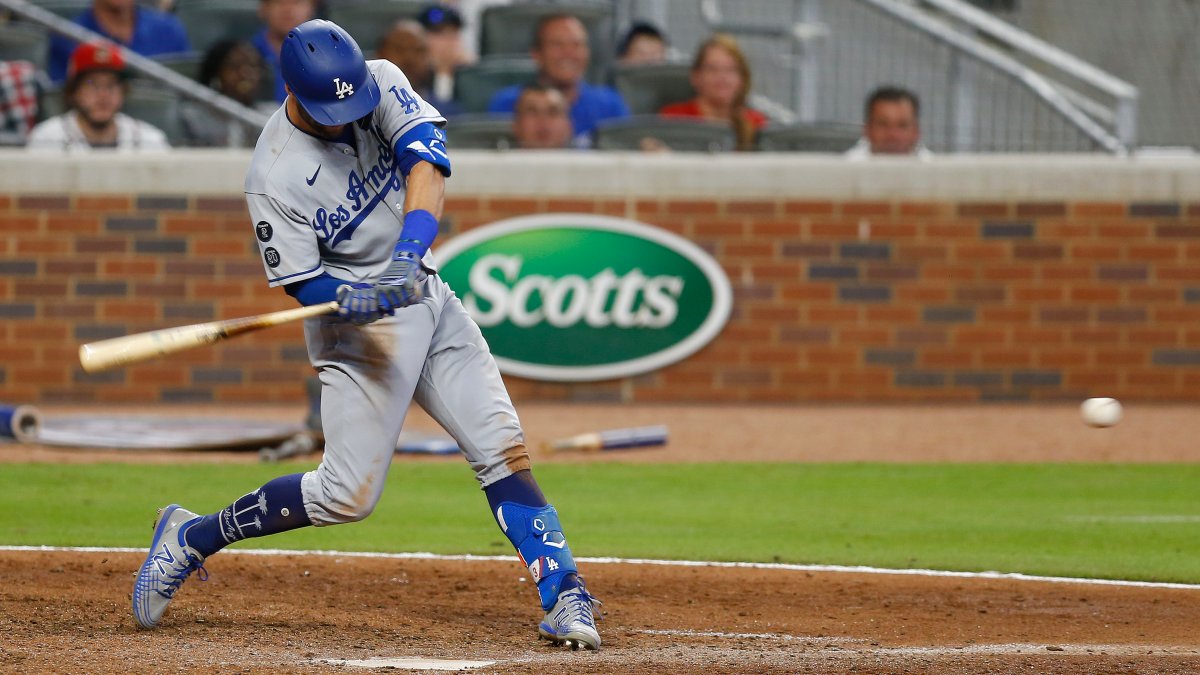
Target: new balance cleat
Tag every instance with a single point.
(572, 620)
(167, 566)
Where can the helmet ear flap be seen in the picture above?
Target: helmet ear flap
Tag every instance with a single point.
(325, 71)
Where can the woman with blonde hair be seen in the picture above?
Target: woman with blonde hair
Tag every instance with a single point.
(721, 78)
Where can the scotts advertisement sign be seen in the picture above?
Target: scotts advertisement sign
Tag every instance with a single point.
(570, 297)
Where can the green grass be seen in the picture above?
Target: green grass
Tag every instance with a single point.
(1071, 520)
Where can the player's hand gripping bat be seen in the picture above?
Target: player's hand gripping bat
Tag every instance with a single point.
(122, 351)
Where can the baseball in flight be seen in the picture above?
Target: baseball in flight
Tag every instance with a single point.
(1101, 412)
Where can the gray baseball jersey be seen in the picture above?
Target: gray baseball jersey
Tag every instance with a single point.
(327, 207)
(321, 206)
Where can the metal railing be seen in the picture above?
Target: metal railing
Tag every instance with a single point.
(252, 119)
(985, 85)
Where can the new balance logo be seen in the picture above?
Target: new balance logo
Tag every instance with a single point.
(342, 89)
(165, 558)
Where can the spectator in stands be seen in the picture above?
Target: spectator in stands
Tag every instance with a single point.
(643, 44)
(562, 55)
(891, 125)
(407, 46)
(233, 68)
(540, 121)
(721, 78)
(18, 101)
(95, 92)
(141, 29)
(279, 17)
(471, 13)
(443, 34)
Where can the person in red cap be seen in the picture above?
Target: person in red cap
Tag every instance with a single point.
(95, 93)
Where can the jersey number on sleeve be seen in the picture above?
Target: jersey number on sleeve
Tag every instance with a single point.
(406, 99)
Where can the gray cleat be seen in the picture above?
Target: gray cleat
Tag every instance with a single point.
(572, 620)
(167, 566)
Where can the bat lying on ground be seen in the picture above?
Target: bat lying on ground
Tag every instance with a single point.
(613, 439)
(122, 351)
(20, 423)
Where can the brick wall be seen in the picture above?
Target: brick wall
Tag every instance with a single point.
(834, 300)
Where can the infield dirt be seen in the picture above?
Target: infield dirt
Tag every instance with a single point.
(69, 612)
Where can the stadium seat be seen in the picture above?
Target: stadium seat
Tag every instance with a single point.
(676, 133)
(209, 21)
(20, 42)
(480, 132)
(835, 138)
(155, 105)
(648, 88)
(369, 20)
(50, 101)
(475, 84)
(507, 30)
(187, 65)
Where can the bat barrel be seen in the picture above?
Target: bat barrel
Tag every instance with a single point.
(613, 439)
(121, 351)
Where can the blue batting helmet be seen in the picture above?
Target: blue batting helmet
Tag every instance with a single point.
(327, 73)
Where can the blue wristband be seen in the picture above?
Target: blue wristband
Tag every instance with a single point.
(419, 231)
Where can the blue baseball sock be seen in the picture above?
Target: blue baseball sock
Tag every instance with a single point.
(276, 507)
(519, 488)
(532, 526)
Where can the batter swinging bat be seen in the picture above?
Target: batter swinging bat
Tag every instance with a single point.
(122, 351)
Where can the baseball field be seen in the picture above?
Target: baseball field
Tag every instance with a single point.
(922, 539)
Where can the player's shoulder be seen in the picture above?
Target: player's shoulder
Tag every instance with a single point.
(386, 71)
(269, 161)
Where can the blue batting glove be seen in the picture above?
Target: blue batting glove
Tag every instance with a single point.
(358, 303)
(402, 282)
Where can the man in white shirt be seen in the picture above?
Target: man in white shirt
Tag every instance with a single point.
(891, 126)
(95, 93)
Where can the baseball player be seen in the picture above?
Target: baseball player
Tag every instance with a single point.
(345, 191)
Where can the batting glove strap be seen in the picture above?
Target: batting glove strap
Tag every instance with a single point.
(402, 281)
(538, 537)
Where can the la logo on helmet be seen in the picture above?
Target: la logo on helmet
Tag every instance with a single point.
(342, 89)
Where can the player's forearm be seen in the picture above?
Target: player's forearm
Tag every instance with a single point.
(426, 189)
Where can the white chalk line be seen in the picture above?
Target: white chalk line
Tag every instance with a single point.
(1161, 518)
(832, 643)
(746, 636)
(407, 663)
(834, 569)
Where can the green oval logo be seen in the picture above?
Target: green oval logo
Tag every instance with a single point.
(576, 297)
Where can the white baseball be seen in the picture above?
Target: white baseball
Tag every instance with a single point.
(1101, 412)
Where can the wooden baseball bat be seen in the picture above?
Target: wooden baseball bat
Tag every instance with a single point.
(122, 351)
(613, 439)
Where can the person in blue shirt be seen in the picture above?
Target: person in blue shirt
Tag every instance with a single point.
(140, 29)
(561, 52)
(279, 17)
(407, 46)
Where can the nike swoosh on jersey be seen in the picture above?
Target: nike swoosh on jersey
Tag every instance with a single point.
(312, 180)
